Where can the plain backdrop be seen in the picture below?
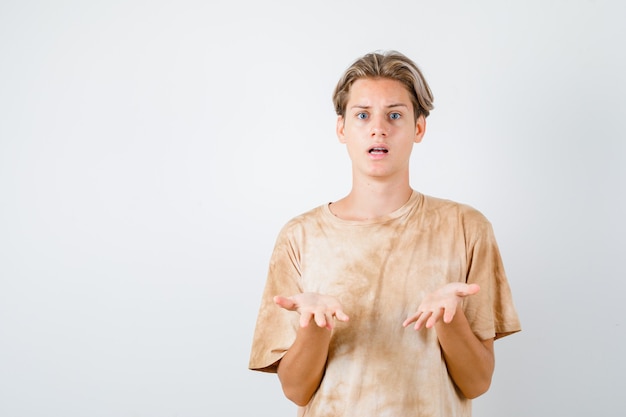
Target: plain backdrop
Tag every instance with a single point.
(151, 150)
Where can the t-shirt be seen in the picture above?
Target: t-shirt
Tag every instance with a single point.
(380, 270)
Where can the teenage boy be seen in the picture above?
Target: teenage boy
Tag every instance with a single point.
(387, 302)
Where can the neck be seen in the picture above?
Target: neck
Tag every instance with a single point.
(372, 199)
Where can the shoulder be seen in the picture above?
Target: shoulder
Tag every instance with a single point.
(301, 222)
(455, 211)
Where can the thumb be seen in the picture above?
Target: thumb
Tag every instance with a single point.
(284, 302)
(471, 289)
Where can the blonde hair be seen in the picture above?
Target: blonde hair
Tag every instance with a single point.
(386, 64)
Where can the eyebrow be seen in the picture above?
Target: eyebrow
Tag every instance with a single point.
(360, 106)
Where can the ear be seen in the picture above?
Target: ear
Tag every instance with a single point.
(420, 129)
(340, 129)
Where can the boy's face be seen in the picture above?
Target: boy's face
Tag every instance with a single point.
(379, 128)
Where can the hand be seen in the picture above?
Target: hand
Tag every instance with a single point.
(439, 304)
(321, 308)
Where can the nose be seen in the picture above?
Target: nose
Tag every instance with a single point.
(378, 127)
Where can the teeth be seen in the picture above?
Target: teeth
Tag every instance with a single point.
(379, 150)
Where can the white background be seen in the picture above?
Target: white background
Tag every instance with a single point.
(151, 150)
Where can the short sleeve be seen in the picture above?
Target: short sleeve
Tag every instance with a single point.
(491, 313)
(276, 328)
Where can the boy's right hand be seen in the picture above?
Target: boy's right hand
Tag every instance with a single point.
(323, 309)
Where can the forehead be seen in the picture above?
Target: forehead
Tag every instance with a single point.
(368, 91)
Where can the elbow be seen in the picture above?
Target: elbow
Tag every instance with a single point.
(296, 391)
(478, 381)
(476, 389)
(297, 396)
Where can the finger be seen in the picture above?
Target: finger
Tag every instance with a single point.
(421, 320)
(410, 319)
(341, 316)
(448, 314)
(467, 290)
(305, 319)
(320, 319)
(285, 302)
(473, 289)
(330, 321)
(434, 318)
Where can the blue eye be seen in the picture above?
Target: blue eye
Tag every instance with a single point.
(394, 116)
(361, 115)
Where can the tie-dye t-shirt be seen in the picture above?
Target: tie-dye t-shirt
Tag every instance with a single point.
(380, 270)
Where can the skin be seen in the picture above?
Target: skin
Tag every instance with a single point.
(379, 114)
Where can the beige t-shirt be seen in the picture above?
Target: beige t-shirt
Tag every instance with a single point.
(380, 270)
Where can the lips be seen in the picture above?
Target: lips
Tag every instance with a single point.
(378, 150)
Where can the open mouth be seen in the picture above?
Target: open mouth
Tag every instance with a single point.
(378, 150)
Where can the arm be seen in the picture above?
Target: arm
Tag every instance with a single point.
(301, 369)
(470, 361)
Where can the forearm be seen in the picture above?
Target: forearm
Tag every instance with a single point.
(301, 369)
(470, 361)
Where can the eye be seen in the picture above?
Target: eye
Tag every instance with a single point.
(361, 115)
(394, 116)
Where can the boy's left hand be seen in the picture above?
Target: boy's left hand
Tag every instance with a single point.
(442, 303)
